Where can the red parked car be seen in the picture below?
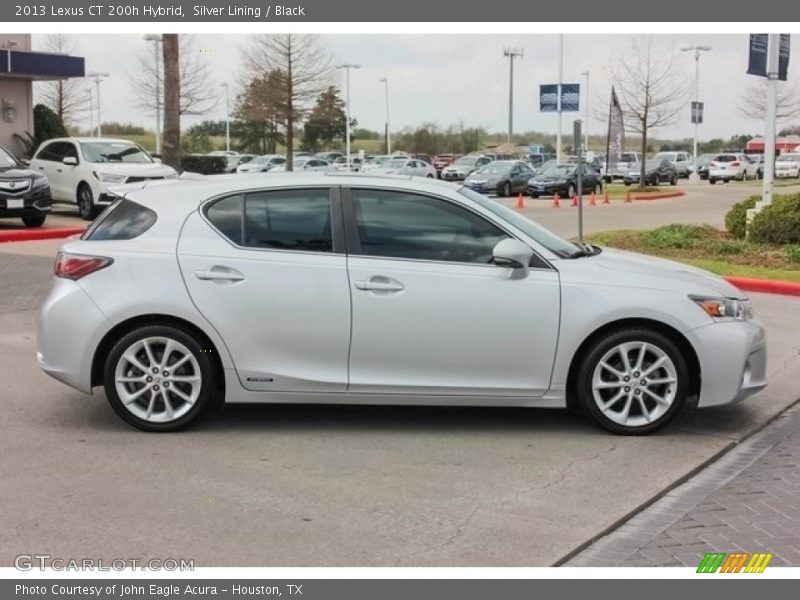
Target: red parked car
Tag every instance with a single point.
(440, 161)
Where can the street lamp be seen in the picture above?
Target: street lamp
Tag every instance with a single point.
(227, 117)
(697, 49)
(586, 120)
(511, 54)
(157, 39)
(98, 77)
(347, 67)
(91, 111)
(385, 81)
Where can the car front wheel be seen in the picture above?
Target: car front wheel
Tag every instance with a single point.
(633, 381)
(86, 205)
(159, 378)
(34, 219)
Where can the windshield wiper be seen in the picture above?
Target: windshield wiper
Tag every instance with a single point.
(583, 250)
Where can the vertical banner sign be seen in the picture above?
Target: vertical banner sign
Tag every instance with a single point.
(615, 145)
(548, 98)
(697, 112)
(783, 56)
(757, 63)
(570, 97)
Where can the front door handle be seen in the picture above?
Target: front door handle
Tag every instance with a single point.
(379, 284)
(218, 273)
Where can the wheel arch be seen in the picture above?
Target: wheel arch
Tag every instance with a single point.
(683, 344)
(128, 325)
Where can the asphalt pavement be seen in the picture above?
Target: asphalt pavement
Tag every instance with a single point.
(272, 485)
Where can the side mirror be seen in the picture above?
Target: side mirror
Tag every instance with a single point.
(513, 254)
(70, 161)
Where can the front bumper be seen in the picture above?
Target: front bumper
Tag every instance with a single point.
(36, 201)
(452, 176)
(65, 345)
(546, 189)
(733, 360)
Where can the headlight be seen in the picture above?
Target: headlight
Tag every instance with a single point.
(725, 308)
(173, 175)
(39, 182)
(559, 182)
(111, 177)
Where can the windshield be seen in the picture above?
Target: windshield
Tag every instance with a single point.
(102, 152)
(664, 156)
(558, 171)
(652, 163)
(466, 161)
(628, 157)
(494, 169)
(545, 237)
(396, 163)
(789, 158)
(6, 160)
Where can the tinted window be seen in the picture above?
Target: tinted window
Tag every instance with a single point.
(289, 220)
(402, 225)
(124, 220)
(53, 151)
(226, 215)
(100, 152)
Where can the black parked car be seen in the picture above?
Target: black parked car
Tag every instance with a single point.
(505, 177)
(24, 194)
(563, 179)
(655, 172)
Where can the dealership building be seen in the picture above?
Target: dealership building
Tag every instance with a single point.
(19, 68)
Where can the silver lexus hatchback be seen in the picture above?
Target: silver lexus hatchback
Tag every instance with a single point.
(313, 288)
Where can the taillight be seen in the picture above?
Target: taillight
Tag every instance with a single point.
(736, 164)
(713, 163)
(75, 266)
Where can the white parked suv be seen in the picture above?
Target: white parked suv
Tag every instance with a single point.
(787, 165)
(344, 288)
(682, 161)
(80, 170)
(731, 165)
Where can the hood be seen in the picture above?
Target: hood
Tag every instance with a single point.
(134, 169)
(549, 178)
(17, 173)
(629, 269)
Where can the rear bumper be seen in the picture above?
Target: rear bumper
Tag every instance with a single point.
(733, 361)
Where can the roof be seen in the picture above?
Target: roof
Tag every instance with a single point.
(92, 139)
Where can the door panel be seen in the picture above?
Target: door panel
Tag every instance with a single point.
(284, 315)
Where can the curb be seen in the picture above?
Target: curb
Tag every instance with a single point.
(27, 235)
(767, 286)
(660, 195)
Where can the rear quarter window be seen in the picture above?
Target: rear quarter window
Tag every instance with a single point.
(124, 220)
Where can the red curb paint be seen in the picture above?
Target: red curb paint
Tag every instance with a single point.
(767, 286)
(27, 235)
(660, 196)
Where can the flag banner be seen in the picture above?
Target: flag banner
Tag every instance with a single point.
(615, 144)
(697, 112)
(548, 98)
(570, 97)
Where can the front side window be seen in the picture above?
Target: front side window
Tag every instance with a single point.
(406, 225)
(54, 151)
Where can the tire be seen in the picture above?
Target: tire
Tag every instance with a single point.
(673, 180)
(571, 191)
(534, 194)
(155, 414)
(505, 190)
(608, 350)
(712, 181)
(429, 176)
(86, 206)
(627, 184)
(34, 219)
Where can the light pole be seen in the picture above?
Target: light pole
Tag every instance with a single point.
(697, 49)
(773, 65)
(347, 67)
(227, 117)
(385, 81)
(511, 54)
(560, 83)
(91, 111)
(156, 39)
(586, 119)
(98, 77)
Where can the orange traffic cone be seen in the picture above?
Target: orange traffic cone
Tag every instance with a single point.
(592, 200)
(520, 202)
(605, 198)
(628, 196)
(574, 200)
(556, 201)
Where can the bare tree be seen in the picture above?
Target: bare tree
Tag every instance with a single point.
(65, 97)
(172, 94)
(651, 88)
(753, 103)
(198, 93)
(303, 67)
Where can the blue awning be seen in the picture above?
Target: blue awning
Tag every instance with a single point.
(40, 65)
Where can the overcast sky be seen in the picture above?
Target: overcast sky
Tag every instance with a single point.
(447, 78)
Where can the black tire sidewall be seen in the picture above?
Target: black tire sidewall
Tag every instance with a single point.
(34, 220)
(207, 369)
(86, 213)
(595, 353)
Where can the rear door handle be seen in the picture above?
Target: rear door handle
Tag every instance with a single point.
(217, 273)
(379, 284)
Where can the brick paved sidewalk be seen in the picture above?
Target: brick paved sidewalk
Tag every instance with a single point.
(748, 500)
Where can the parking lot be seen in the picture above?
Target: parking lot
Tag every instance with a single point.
(359, 486)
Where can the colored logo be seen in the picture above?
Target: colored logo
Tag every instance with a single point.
(735, 562)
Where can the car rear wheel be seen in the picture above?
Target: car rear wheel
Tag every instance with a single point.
(571, 191)
(633, 381)
(86, 206)
(673, 180)
(159, 378)
(34, 220)
(712, 181)
(506, 189)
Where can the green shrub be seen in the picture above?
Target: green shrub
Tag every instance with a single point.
(203, 164)
(793, 253)
(736, 218)
(729, 247)
(778, 223)
(674, 236)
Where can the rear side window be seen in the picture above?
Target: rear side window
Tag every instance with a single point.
(124, 220)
